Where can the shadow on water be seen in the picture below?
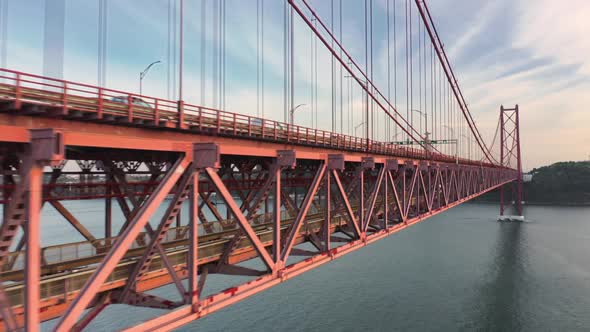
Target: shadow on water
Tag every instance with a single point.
(500, 297)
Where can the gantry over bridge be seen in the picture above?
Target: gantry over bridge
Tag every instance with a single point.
(290, 197)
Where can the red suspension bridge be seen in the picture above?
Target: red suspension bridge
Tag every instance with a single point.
(254, 188)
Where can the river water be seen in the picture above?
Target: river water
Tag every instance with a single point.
(460, 270)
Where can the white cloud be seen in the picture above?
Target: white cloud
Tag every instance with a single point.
(555, 29)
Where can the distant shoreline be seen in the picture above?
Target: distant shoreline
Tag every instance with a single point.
(538, 203)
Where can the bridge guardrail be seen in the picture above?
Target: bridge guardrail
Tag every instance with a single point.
(128, 108)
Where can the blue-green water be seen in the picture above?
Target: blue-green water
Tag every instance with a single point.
(460, 270)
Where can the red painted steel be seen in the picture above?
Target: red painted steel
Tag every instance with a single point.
(246, 201)
(33, 261)
(458, 182)
(83, 100)
(510, 154)
(116, 253)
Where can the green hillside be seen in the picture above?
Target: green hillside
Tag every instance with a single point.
(559, 183)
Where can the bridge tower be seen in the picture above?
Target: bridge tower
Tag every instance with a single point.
(510, 157)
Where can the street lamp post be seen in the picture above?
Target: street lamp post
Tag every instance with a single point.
(365, 85)
(426, 133)
(357, 127)
(143, 73)
(292, 111)
(425, 115)
(394, 138)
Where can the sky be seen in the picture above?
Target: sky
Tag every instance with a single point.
(531, 53)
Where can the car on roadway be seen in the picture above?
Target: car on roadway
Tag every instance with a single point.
(134, 100)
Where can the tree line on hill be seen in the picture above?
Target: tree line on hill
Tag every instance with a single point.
(563, 183)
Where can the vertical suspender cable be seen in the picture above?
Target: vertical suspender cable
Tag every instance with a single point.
(258, 58)
(102, 28)
(3, 33)
(434, 105)
(181, 50)
(292, 57)
(214, 50)
(435, 96)
(105, 35)
(315, 60)
(285, 71)
(366, 119)
(424, 55)
(203, 50)
(53, 39)
(350, 101)
(457, 128)
(395, 63)
(441, 109)
(420, 77)
(333, 86)
(371, 66)
(169, 50)
(262, 56)
(448, 102)
(450, 114)
(311, 77)
(224, 57)
(411, 59)
(430, 67)
(99, 48)
(173, 27)
(341, 77)
(446, 110)
(387, 134)
(407, 76)
(220, 53)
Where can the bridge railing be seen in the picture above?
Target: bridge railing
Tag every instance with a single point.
(96, 103)
(100, 188)
(74, 251)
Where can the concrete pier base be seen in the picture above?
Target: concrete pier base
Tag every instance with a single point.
(510, 218)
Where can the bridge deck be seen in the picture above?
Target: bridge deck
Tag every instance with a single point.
(40, 96)
(415, 184)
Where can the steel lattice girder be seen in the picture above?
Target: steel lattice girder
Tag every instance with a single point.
(398, 189)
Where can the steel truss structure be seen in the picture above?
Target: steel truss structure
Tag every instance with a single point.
(264, 208)
(287, 197)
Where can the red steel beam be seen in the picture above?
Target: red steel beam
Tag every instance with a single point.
(290, 241)
(184, 315)
(346, 203)
(373, 197)
(33, 248)
(93, 284)
(193, 279)
(212, 173)
(276, 249)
